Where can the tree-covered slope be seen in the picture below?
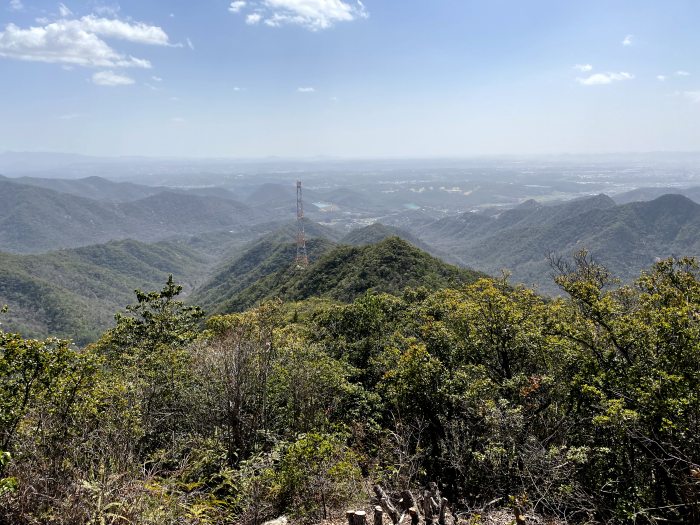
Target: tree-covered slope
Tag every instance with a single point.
(346, 272)
(626, 238)
(266, 257)
(74, 293)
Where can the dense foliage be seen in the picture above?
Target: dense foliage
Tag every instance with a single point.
(586, 408)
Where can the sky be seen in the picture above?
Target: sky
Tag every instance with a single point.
(383, 78)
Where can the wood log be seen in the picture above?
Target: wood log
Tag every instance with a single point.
(350, 515)
(386, 504)
(360, 518)
(378, 515)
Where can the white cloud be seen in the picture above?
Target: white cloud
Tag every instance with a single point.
(628, 40)
(306, 90)
(235, 7)
(682, 73)
(79, 42)
(189, 43)
(311, 14)
(584, 68)
(110, 78)
(599, 79)
(16, 5)
(253, 18)
(693, 96)
(156, 79)
(65, 12)
(661, 78)
(138, 32)
(178, 120)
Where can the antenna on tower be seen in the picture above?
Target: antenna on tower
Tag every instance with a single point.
(302, 259)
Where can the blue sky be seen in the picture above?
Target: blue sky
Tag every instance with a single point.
(336, 77)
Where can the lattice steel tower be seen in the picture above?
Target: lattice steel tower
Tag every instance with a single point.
(302, 259)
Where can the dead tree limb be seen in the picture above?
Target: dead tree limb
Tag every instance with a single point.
(386, 504)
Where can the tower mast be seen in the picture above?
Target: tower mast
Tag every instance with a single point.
(302, 259)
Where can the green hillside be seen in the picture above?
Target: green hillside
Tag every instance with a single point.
(75, 293)
(342, 273)
(262, 259)
(625, 238)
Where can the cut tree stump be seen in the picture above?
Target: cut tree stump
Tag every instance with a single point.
(378, 515)
(435, 495)
(407, 500)
(443, 511)
(427, 508)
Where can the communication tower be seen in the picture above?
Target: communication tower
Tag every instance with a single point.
(302, 259)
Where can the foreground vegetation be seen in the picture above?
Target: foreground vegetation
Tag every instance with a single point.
(585, 408)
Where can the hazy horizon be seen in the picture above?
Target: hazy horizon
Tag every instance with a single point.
(344, 79)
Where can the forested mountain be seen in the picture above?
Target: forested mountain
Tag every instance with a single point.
(648, 194)
(269, 256)
(75, 293)
(625, 238)
(94, 187)
(340, 273)
(101, 189)
(34, 219)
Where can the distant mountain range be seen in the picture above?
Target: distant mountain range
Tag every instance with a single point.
(648, 194)
(35, 219)
(101, 189)
(626, 238)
